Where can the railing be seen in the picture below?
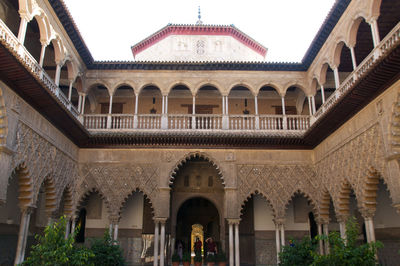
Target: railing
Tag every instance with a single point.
(271, 122)
(149, 122)
(242, 122)
(196, 122)
(95, 121)
(177, 121)
(208, 121)
(8, 39)
(391, 40)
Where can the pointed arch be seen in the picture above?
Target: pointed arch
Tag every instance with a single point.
(86, 194)
(25, 186)
(68, 210)
(311, 199)
(195, 155)
(127, 196)
(50, 195)
(264, 196)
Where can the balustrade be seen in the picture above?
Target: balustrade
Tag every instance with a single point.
(21, 53)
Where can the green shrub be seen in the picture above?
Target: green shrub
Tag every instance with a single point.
(54, 249)
(347, 252)
(299, 253)
(106, 251)
(342, 252)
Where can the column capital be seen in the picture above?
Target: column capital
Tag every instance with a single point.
(342, 218)
(24, 15)
(27, 209)
(114, 219)
(233, 220)
(161, 220)
(367, 213)
(279, 221)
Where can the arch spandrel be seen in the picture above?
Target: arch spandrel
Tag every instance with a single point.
(211, 83)
(250, 87)
(267, 199)
(182, 83)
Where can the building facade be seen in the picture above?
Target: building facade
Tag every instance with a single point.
(249, 153)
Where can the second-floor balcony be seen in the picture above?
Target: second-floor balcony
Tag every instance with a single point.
(126, 122)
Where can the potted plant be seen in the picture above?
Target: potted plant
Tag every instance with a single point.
(210, 259)
(220, 258)
(175, 259)
(198, 259)
(186, 258)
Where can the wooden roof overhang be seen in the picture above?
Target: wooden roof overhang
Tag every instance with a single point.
(18, 78)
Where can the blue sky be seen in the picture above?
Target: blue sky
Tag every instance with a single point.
(285, 27)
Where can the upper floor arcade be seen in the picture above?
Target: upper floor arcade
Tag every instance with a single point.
(352, 59)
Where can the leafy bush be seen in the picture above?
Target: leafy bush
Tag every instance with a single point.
(106, 251)
(299, 253)
(54, 249)
(342, 252)
(348, 252)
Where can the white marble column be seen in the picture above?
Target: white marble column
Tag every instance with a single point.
(223, 105)
(83, 102)
(282, 235)
(375, 32)
(353, 57)
(110, 105)
(135, 118)
(283, 105)
(256, 105)
(321, 246)
(110, 230)
(336, 76)
(71, 83)
(237, 249)
(156, 240)
(23, 234)
(342, 228)
(166, 104)
(79, 102)
(58, 73)
(326, 233)
(226, 105)
(194, 112)
(323, 94)
(313, 104)
(115, 238)
(231, 252)
(163, 105)
(370, 230)
(67, 227)
(278, 242)
(162, 242)
(22, 28)
(309, 105)
(42, 53)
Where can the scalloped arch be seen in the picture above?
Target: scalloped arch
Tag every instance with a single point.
(137, 190)
(194, 155)
(313, 201)
(86, 194)
(265, 197)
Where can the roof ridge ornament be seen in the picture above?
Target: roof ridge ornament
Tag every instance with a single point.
(199, 22)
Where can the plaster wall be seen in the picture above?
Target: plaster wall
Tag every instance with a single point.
(198, 48)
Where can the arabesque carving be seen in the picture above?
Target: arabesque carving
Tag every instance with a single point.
(116, 182)
(277, 183)
(39, 159)
(357, 164)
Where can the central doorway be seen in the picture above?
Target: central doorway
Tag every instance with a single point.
(197, 218)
